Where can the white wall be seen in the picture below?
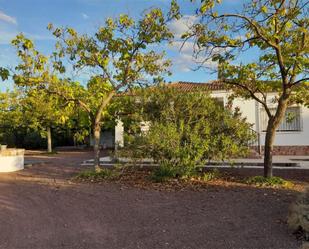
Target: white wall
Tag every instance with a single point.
(11, 163)
(249, 109)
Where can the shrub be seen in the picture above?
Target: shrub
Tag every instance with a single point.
(94, 176)
(164, 173)
(186, 130)
(298, 217)
(268, 181)
(211, 175)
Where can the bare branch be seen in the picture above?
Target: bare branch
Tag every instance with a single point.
(252, 94)
(299, 81)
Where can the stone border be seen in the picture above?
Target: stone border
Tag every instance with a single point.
(285, 150)
(12, 152)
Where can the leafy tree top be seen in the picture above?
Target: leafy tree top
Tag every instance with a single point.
(277, 29)
(121, 55)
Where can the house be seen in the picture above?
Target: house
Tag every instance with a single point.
(292, 137)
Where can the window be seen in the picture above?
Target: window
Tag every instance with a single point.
(291, 121)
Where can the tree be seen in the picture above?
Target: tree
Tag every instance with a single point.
(278, 30)
(185, 129)
(119, 54)
(45, 112)
(31, 111)
(10, 114)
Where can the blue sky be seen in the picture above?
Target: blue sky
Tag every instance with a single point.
(32, 16)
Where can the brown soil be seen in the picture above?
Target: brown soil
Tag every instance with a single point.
(41, 214)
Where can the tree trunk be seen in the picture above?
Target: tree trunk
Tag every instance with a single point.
(268, 149)
(97, 130)
(49, 140)
(272, 126)
(96, 147)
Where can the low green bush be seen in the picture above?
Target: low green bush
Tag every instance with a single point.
(92, 175)
(185, 131)
(164, 173)
(211, 175)
(274, 181)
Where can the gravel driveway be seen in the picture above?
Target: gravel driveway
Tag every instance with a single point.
(109, 216)
(36, 215)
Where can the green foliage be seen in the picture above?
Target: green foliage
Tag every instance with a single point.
(24, 116)
(277, 32)
(211, 175)
(164, 173)
(119, 55)
(186, 130)
(269, 181)
(94, 176)
(4, 73)
(120, 48)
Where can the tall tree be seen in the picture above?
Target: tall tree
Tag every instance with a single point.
(45, 112)
(277, 31)
(32, 111)
(119, 53)
(10, 114)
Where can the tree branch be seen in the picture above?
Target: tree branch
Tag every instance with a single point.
(299, 81)
(252, 94)
(250, 22)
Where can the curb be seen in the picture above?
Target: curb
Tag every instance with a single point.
(36, 179)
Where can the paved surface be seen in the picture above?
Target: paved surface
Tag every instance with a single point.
(51, 215)
(303, 161)
(279, 162)
(55, 167)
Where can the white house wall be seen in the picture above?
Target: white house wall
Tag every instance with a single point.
(250, 109)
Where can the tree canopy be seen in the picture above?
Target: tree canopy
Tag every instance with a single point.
(185, 129)
(277, 33)
(119, 55)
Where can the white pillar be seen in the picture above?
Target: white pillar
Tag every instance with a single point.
(119, 133)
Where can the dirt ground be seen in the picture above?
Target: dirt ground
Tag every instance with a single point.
(56, 214)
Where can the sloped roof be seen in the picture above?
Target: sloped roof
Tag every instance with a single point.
(198, 86)
(187, 86)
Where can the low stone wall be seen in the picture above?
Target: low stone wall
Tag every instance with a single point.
(11, 160)
(289, 150)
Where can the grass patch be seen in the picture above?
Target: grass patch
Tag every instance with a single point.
(274, 181)
(163, 174)
(94, 176)
(211, 175)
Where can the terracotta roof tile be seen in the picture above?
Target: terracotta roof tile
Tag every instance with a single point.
(186, 86)
(198, 86)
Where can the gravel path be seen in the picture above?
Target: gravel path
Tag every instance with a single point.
(34, 215)
(95, 216)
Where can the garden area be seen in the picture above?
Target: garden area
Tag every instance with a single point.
(100, 149)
